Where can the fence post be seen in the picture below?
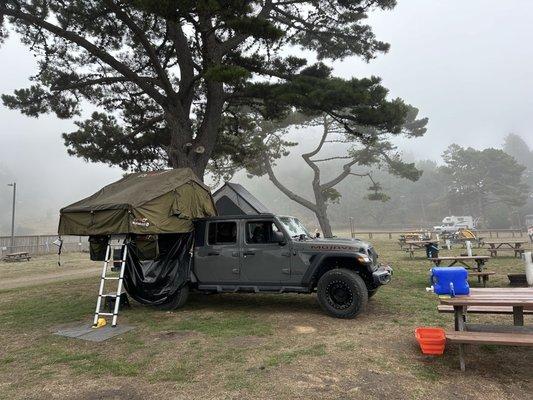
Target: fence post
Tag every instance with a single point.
(390, 235)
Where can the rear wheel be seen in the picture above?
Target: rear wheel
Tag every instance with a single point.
(178, 300)
(342, 293)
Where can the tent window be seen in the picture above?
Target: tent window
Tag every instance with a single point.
(222, 232)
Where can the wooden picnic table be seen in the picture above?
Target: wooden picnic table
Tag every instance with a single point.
(414, 245)
(19, 256)
(519, 299)
(515, 245)
(478, 241)
(463, 260)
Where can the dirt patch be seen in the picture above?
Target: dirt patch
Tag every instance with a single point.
(378, 385)
(64, 275)
(176, 335)
(123, 393)
(304, 329)
(246, 341)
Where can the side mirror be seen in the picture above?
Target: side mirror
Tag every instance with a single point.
(279, 238)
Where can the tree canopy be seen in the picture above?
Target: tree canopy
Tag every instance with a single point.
(366, 143)
(174, 81)
(478, 178)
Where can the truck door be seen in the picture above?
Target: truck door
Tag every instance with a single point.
(263, 260)
(218, 261)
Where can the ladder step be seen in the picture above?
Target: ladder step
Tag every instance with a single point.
(112, 246)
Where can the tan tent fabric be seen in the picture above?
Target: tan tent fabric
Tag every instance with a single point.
(143, 203)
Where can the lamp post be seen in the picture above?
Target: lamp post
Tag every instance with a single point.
(14, 185)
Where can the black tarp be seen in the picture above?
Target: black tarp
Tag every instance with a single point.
(157, 281)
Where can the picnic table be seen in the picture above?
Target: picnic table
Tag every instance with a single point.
(20, 256)
(463, 260)
(515, 245)
(519, 299)
(413, 245)
(478, 241)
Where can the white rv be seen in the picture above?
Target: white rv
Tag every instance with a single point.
(452, 224)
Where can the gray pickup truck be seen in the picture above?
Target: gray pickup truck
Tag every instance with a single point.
(275, 254)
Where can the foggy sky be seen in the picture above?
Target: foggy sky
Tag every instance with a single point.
(467, 65)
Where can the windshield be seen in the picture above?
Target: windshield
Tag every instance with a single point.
(294, 226)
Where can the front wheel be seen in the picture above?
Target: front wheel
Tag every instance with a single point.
(342, 293)
(177, 301)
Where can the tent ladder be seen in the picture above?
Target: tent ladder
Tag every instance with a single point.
(115, 242)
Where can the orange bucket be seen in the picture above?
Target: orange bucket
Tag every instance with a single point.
(432, 340)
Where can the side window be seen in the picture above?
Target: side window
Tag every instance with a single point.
(261, 232)
(222, 233)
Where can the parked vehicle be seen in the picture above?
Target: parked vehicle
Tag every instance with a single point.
(452, 224)
(163, 228)
(272, 254)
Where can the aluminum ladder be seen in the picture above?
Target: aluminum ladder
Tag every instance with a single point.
(115, 242)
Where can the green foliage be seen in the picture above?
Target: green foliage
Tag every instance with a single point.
(164, 75)
(480, 178)
(332, 195)
(227, 74)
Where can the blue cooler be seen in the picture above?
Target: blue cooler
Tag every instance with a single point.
(450, 280)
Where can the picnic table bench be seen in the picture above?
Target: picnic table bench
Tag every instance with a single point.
(463, 260)
(514, 245)
(482, 276)
(413, 245)
(20, 256)
(517, 299)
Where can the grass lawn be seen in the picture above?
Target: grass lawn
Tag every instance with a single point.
(251, 346)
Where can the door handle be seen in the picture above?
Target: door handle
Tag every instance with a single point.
(213, 253)
(248, 253)
(235, 254)
(235, 270)
(286, 271)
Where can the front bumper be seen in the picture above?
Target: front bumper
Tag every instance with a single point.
(382, 275)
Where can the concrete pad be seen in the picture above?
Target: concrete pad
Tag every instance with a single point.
(87, 332)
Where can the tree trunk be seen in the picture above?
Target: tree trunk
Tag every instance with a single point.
(181, 152)
(321, 210)
(323, 221)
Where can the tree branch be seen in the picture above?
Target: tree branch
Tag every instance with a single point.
(89, 47)
(141, 37)
(332, 158)
(346, 170)
(291, 195)
(98, 81)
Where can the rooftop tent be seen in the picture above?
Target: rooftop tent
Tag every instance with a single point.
(156, 210)
(145, 203)
(234, 199)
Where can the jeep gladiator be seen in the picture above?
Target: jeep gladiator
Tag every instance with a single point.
(266, 253)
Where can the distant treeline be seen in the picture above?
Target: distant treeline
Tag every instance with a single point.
(439, 192)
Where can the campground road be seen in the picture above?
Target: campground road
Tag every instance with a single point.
(50, 277)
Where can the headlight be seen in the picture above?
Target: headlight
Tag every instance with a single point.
(363, 258)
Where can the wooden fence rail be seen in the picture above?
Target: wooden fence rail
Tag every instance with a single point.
(42, 244)
(486, 233)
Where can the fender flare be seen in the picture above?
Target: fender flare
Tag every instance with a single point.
(319, 259)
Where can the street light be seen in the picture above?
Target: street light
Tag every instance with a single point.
(14, 185)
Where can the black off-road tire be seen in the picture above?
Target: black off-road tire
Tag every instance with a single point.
(372, 292)
(342, 293)
(177, 301)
